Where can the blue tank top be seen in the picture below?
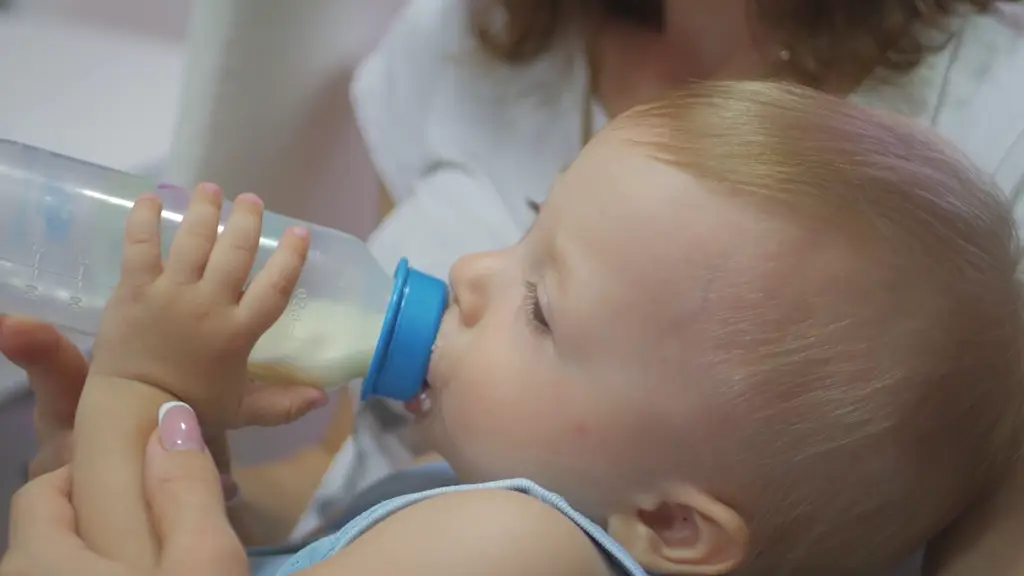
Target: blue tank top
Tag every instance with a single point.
(285, 565)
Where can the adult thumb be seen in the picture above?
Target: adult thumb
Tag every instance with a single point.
(183, 488)
(275, 404)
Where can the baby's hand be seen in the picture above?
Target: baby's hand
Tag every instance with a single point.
(187, 325)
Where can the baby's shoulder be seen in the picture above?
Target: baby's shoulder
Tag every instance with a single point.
(487, 531)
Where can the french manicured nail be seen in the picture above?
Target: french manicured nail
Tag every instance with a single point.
(179, 428)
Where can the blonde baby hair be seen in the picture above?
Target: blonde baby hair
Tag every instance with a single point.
(879, 395)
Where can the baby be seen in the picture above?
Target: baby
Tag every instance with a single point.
(755, 330)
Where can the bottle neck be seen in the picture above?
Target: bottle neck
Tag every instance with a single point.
(402, 357)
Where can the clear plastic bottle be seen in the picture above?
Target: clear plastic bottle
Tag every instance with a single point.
(61, 236)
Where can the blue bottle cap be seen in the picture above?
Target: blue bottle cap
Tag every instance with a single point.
(399, 366)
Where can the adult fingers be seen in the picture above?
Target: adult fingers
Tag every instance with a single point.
(275, 404)
(184, 492)
(220, 451)
(41, 511)
(53, 454)
(56, 370)
(221, 454)
(43, 539)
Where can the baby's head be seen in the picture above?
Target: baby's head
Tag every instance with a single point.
(756, 328)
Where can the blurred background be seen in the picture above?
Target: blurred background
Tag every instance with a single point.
(102, 80)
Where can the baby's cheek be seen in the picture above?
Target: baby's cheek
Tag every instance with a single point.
(497, 402)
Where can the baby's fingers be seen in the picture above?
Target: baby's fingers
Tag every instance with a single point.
(140, 264)
(194, 240)
(235, 251)
(268, 295)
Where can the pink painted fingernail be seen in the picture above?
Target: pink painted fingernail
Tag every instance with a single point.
(298, 232)
(179, 428)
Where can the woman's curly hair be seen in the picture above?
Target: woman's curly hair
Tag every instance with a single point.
(824, 39)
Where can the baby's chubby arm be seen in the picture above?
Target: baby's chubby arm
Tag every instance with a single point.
(180, 329)
(113, 423)
(493, 532)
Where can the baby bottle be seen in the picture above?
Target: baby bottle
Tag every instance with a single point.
(61, 237)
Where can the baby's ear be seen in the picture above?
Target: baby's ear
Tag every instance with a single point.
(683, 531)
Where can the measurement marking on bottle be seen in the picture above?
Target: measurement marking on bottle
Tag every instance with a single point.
(38, 255)
(82, 264)
(298, 304)
(32, 290)
(75, 301)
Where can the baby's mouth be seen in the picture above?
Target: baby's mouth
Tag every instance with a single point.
(420, 405)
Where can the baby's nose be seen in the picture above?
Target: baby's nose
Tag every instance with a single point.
(470, 281)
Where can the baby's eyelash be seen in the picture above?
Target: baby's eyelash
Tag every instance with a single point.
(533, 309)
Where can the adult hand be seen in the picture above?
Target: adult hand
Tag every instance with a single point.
(187, 509)
(56, 373)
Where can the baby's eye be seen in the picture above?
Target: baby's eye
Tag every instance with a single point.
(533, 308)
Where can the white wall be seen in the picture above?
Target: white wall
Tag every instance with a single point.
(345, 195)
(265, 105)
(162, 18)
